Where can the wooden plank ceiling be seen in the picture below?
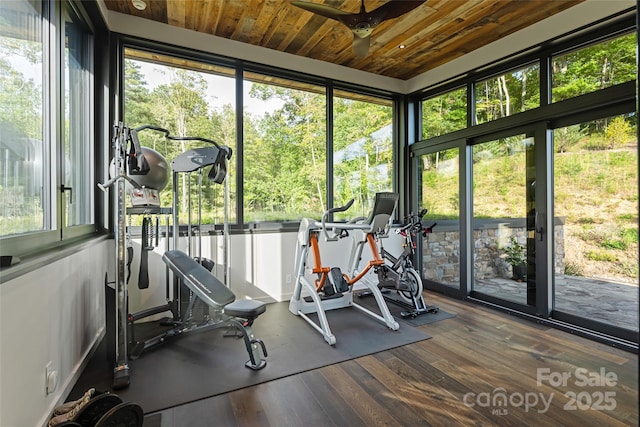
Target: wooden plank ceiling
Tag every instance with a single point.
(435, 32)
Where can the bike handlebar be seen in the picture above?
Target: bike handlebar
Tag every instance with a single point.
(429, 229)
(414, 223)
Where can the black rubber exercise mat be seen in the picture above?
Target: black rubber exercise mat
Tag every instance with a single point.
(396, 310)
(201, 365)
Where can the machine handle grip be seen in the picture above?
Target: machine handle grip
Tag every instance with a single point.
(429, 229)
(341, 208)
(329, 211)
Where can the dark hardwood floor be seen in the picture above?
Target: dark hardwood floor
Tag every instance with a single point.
(480, 368)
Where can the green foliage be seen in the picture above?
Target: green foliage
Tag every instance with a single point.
(629, 235)
(137, 98)
(440, 184)
(444, 113)
(594, 67)
(627, 268)
(618, 132)
(613, 238)
(508, 94)
(516, 254)
(567, 137)
(362, 153)
(285, 155)
(572, 269)
(20, 97)
(599, 255)
(614, 244)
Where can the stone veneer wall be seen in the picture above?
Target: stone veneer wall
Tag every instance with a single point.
(441, 250)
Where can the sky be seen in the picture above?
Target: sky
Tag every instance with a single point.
(221, 89)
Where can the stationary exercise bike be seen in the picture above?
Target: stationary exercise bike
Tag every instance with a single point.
(398, 276)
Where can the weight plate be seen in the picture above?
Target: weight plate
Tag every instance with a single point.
(89, 415)
(123, 415)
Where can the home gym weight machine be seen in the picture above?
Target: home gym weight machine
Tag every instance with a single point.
(128, 166)
(333, 289)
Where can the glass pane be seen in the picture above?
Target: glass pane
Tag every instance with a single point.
(363, 155)
(188, 98)
(284, 150)
(503, 198)
(508, 94)
(24, 177)
(596, 217)
(593, 68)
(439, 182)
(444, 113)
(77, 119)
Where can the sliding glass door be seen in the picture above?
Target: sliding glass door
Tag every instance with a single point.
(506, 219)
(438, 172)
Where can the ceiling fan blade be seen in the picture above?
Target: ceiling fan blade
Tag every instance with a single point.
(361, 45)
(394, 9)
(321, 9)
(362, 24)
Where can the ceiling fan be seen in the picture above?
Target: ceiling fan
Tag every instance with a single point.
(362, 24)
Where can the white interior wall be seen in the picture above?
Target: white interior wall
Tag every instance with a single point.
(261, 265)
(51, 314)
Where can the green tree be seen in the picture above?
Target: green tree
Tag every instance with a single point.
(291, 142)
(180, 107)
(618, 132)
(362, 152)
(137, 97)
(594, 67)
(508, 94)
(444, 113)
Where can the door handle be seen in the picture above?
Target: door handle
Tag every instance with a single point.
(539, 227)
(63, 188)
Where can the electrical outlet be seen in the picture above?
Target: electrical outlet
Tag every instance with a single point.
(288, 278)
(50, 378)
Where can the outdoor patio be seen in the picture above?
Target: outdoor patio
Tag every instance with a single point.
(600, 300)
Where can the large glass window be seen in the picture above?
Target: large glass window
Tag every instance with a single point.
(284, 135)
(596, 210)
(444, 113)
(24, 171)
(189, 99)
(284, 149)
(77, 183)
(438, 178)
(507, 94)
(551, 195)
(362, 150)
(46, 131)
(593, 68)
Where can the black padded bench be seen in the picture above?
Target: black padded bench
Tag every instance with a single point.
(239, 314)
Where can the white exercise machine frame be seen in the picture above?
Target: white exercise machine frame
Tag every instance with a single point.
(318, 301)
